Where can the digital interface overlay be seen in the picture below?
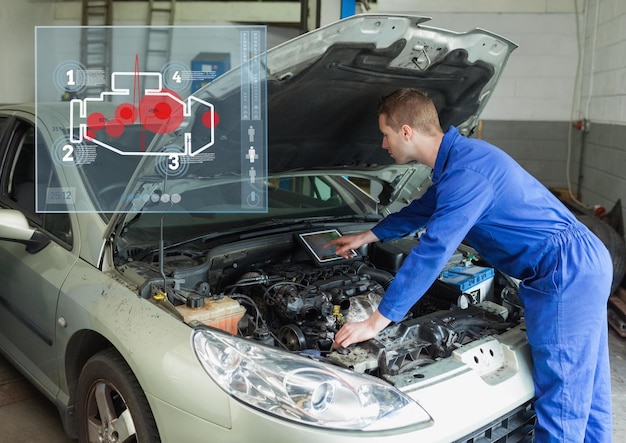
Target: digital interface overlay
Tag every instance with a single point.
(122, 135)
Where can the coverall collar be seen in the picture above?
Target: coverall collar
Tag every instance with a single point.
(444, 150)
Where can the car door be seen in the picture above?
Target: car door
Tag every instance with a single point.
(30, 281)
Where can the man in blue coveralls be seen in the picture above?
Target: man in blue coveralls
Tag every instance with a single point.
(482, 195)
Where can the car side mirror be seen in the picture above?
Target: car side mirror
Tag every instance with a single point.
(14, 227)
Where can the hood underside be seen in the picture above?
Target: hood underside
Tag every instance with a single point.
(323, 88)
(332, 105)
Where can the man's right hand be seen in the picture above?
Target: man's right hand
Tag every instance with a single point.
(345, 244)
(359, 331)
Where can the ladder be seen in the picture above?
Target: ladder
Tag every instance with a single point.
(95, 44)
(159, 34)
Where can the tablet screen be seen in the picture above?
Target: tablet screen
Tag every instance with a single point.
(314, 241)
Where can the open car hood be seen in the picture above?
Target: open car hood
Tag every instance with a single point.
(324, 87)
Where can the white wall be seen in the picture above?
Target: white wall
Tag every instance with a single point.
(603, 96)
(18, 19)
(17, 36)
(538, 82)
(603, 102)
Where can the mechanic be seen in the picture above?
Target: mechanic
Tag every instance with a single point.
(481, 195)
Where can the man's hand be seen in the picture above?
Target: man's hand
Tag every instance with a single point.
(361, 330)
(345, 244)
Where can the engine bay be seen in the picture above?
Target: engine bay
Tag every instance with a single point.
(273, 290)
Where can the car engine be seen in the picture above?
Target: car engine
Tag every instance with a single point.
(275, 293)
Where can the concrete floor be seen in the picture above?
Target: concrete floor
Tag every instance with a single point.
(28, 417)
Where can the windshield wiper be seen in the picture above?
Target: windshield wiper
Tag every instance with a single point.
(324, 218)
(292, 224)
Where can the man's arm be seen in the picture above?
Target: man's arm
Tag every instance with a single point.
(409, 219)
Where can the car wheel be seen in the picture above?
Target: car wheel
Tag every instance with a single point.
(111, 406)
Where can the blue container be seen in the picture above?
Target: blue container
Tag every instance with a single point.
(207, 66)
(475, 281)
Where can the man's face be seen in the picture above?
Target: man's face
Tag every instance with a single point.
(394, 142)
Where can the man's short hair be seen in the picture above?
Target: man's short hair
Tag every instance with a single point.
(411, 107)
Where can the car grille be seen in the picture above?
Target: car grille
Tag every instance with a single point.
(517, 426)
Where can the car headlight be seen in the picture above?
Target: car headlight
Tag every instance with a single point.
(303, 390)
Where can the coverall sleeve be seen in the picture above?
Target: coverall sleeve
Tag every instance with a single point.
(409, 219)
(463, 197)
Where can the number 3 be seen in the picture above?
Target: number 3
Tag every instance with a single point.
(174, 163)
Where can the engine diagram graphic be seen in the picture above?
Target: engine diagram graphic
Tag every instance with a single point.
(159, 111)
(126, 130)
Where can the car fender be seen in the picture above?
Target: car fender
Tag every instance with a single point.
(156, 345)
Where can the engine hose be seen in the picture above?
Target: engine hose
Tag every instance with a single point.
(383, 277)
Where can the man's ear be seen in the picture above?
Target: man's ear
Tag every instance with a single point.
(406, 131)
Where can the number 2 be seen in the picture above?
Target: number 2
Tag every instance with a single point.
(69, 150)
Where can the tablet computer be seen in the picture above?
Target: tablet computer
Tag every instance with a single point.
(314, 242)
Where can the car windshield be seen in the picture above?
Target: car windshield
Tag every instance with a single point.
(107, 178)
(207, 207)
(292, 198)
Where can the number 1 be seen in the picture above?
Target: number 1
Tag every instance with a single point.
(70, 78)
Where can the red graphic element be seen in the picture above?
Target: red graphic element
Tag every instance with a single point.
(162, 111)
(126, 113)
(114, 128)
(90, 134)
(208, 121)
(136, 93)
(161, 114)
(96, 121)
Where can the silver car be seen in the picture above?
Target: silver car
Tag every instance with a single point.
(216, 325)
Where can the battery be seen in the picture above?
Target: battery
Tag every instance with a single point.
(474, 281)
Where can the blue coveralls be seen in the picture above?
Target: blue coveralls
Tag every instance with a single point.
(482, 195)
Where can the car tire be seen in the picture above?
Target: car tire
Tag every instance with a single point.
(107, 386)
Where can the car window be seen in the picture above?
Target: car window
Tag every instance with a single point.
(20, 185)
(22, 172)
(301, 192)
